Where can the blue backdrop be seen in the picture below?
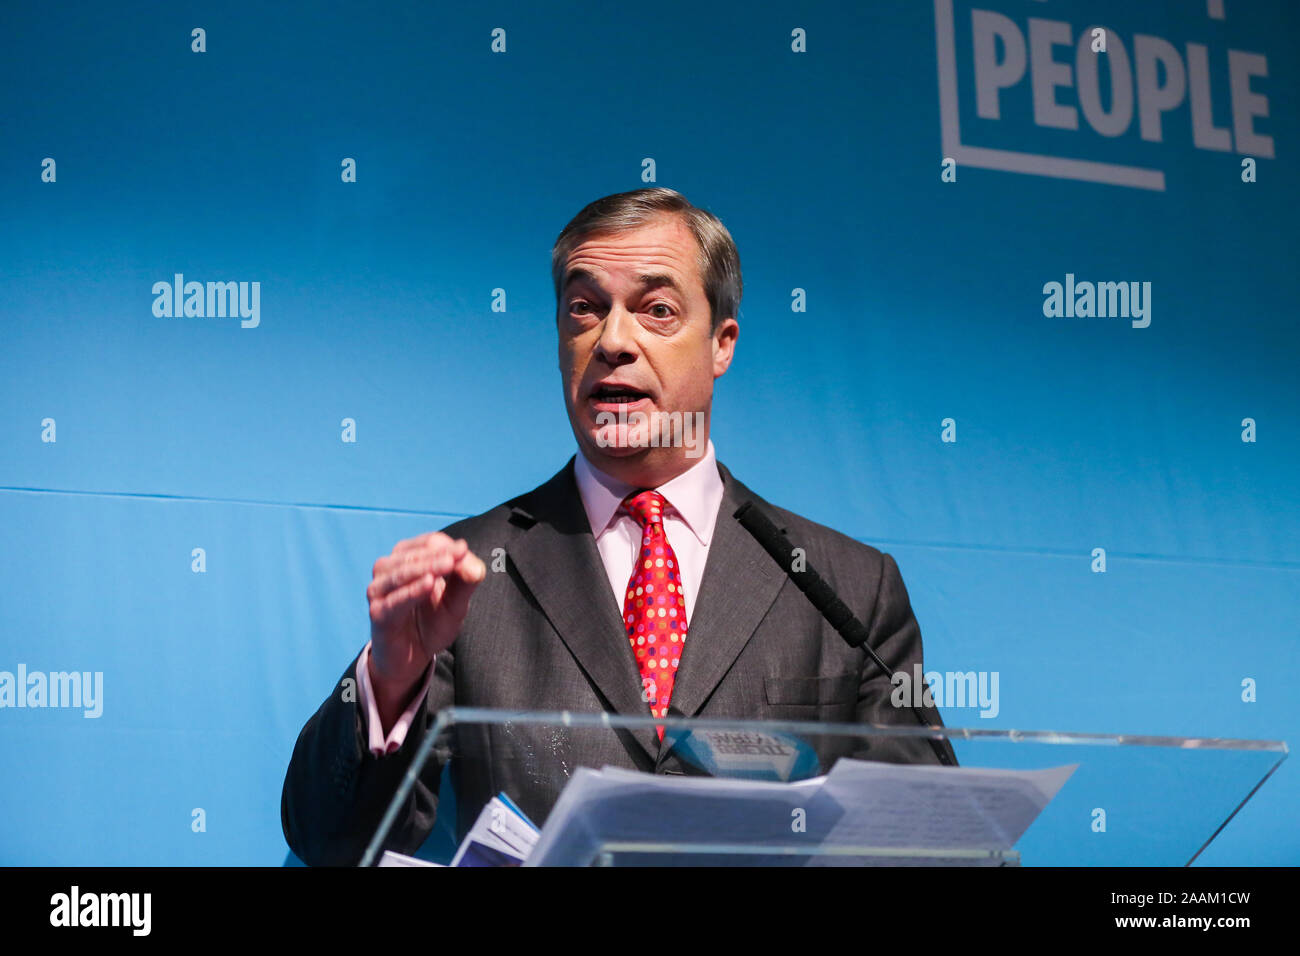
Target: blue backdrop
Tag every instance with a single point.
(886, 292)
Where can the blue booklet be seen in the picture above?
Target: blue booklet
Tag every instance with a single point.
(501, 836)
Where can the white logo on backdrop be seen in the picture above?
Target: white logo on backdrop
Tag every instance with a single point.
(1149, 78)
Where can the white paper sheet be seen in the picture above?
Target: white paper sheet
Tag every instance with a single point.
(859, 804)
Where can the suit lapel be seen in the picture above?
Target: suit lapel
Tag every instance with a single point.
(740, 584)
(559, 563)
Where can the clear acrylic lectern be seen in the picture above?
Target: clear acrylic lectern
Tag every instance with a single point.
(1129, 800)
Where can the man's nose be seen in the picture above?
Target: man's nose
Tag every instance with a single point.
(617, 342)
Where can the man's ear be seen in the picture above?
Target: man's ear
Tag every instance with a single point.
(724, 345)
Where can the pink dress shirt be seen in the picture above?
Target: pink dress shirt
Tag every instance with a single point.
(693, 498)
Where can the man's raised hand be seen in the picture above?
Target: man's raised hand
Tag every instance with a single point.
(418, 597)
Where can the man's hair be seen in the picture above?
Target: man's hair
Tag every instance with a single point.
(719, 262)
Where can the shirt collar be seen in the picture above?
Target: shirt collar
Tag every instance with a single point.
(695, 494)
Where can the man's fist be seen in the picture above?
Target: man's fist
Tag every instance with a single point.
(418, 598)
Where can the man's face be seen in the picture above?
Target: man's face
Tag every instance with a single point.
(635, 340)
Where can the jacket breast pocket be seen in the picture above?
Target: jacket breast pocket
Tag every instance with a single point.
(827, 698)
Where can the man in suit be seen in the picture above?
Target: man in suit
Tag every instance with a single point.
(623, 584)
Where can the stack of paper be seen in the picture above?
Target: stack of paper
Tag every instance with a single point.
(862, 811)
(401, 859)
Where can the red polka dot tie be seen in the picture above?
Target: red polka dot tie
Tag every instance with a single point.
(654, 610)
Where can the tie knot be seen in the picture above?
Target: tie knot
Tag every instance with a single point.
(647, 507)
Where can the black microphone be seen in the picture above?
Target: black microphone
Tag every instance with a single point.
(825, 600)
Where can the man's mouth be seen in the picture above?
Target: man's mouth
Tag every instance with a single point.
(614, 397)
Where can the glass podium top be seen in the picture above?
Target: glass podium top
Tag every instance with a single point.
(1125, 800)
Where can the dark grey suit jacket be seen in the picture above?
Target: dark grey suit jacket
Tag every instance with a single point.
(547, 634)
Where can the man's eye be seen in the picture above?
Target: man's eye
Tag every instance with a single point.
(659, 305)
(576, 305)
